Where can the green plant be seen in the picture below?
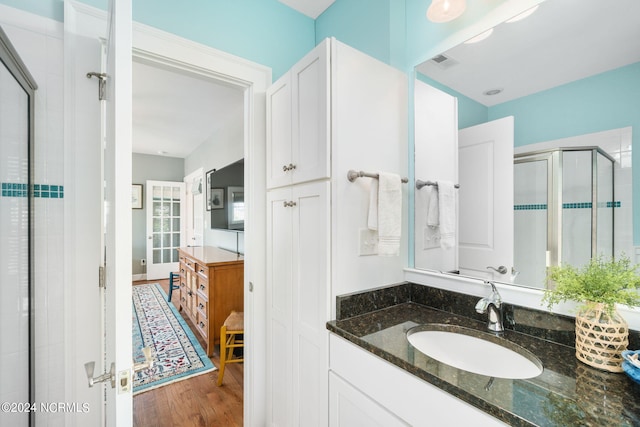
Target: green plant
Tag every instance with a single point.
(606, 281)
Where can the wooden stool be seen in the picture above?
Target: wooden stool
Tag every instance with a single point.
(229, 339)
(172, 277)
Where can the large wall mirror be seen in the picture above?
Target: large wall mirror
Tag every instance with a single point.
(562, 86)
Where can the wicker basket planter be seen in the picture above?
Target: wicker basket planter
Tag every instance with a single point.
(601, 338)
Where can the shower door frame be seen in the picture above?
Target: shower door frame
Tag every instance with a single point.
(16, 67)
(554, 161)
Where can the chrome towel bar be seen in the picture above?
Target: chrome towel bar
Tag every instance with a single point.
(420, 184)
(352, 175)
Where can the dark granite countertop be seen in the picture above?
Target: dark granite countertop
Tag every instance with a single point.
(567, 393)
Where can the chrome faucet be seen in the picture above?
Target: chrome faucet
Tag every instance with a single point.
(493, 306)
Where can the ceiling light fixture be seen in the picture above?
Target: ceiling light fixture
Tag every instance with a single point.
(445, 10)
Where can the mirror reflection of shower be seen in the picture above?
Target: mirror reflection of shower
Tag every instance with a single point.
(564, 204)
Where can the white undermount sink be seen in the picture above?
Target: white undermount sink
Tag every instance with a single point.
(474, 351)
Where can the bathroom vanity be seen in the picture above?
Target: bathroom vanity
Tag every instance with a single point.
(375, 372)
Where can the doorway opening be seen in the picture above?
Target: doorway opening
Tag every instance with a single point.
(186, 122)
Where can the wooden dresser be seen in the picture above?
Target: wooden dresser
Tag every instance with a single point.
(211, 286)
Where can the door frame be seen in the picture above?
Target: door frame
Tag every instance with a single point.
(189, 223)
(168, 50)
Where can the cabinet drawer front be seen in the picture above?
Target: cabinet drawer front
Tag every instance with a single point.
(203, 306)
(202, 270)
(191, 264)
(202, 324)
(203, 287)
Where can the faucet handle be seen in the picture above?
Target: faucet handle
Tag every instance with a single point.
(496, 295)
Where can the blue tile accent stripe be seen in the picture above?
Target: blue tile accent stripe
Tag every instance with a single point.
(44, 191)
(586, 205)
(533, 207)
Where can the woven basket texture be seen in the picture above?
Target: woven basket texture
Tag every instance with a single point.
(601, 338)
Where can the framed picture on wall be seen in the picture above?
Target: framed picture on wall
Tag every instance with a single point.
(208, 193)
(217, 198)
(136, 196)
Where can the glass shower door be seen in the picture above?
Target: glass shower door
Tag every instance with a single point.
(531, 219)
(16, 260)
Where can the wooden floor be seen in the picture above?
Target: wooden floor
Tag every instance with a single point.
(196, 401)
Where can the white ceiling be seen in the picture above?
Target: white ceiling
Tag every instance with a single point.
(561, 42)
(311, 8)
(174, 112)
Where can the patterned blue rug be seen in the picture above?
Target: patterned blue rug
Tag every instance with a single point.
(176, 352)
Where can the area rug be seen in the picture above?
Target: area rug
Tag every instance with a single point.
(176, 352)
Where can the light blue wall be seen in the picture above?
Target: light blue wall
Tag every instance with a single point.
(375, 27)
(263, 31)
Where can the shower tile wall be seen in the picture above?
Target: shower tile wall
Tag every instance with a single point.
(39, 44)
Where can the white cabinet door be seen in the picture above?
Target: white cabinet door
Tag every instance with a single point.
(349, 407)
(279, 132)
(297, 292)
(310, 308)
(279, 306)
(310, 79)
(298, 107)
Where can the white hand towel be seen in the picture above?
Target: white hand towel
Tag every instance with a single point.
(433, 209)
(447, 214)
(389, 214)
(372, 219)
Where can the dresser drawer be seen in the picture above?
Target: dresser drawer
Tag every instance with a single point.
(203, 306)
(203, 287)
(202, 324)
(202, 270)
(190, 264)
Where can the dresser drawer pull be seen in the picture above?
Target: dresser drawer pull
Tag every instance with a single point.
(201, 325)
(201, 306)
(202, 270)
(202, 287)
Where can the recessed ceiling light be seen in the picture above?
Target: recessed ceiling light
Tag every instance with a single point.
(162, 153)
(480, 37)
(523, 15)
(492, 92)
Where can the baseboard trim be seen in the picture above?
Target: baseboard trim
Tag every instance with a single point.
(137, 277)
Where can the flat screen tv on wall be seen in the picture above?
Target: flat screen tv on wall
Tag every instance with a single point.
(225, 196)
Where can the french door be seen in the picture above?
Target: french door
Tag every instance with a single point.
(165, 213)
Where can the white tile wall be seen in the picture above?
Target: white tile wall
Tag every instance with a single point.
(39, 43)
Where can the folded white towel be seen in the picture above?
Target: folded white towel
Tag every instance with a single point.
(447, 214)
(372, 219)
(389, 214)
(433, 209)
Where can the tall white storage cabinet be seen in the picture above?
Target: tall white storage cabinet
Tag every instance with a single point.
(311, 214)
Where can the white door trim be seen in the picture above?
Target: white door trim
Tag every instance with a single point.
(164, 48)
(190, 238)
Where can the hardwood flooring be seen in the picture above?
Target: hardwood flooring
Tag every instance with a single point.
(196, 401)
